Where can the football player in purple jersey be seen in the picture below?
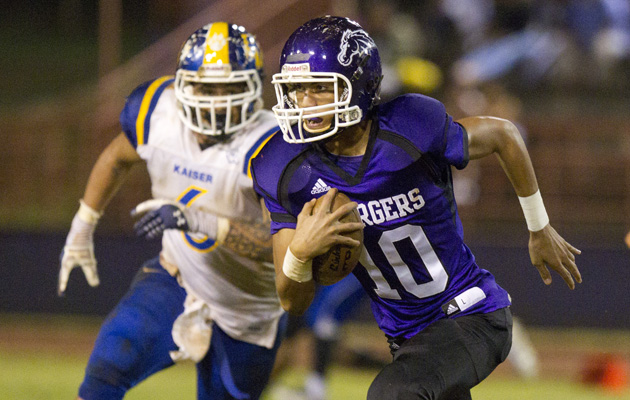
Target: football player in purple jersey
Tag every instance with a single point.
(447, 321)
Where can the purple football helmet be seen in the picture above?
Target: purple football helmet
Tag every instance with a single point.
(218, 54)
(327, 50)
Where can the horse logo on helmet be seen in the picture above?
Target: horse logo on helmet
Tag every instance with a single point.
(353, 43)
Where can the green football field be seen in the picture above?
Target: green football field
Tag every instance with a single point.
(44, 376)
(43, 357)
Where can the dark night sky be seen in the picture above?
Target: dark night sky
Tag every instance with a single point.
(53, 44)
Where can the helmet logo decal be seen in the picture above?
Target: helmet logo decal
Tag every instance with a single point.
(296, 68)
(353, 43)
(216, 42)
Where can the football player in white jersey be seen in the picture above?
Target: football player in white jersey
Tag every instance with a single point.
(210, 296)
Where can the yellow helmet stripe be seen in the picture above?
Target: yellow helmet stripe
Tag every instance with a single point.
(217, 49)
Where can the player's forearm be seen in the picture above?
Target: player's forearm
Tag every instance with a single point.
(295, 297)
(515, 161)
(489, 135)
(105, 180)
(251, 240)
(109, 173)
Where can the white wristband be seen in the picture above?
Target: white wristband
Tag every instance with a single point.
(87, 214)
(296, 269)
(534, 211)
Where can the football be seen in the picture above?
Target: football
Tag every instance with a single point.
(339, 261)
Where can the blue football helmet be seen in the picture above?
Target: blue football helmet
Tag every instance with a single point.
(219, 54)
(327, 50)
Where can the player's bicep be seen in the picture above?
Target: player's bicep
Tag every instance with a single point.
(484, 135)
(122, 151)
(265, 212)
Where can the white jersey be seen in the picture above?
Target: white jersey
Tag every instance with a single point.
(241, 292)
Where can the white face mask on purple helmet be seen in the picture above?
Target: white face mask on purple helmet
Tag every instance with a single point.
(293, 119)
(332, 51)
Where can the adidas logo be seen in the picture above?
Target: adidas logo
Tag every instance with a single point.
(451, 309)
(320, 187)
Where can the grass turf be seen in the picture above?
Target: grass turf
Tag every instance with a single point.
(36, 376)
(43, 357)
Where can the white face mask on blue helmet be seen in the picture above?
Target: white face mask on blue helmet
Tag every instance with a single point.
(219, 54)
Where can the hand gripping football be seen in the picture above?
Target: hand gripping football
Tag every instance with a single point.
(339, 261)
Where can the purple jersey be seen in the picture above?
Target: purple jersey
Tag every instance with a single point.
(414, 262)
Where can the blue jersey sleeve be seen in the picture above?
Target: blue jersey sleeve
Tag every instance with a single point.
(255, 149)
(456, 147)
(135, 117)
(425, 122)
(267, 170)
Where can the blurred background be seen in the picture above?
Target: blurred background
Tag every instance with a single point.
(559, 69)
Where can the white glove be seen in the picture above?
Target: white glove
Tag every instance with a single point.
(79, 248)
